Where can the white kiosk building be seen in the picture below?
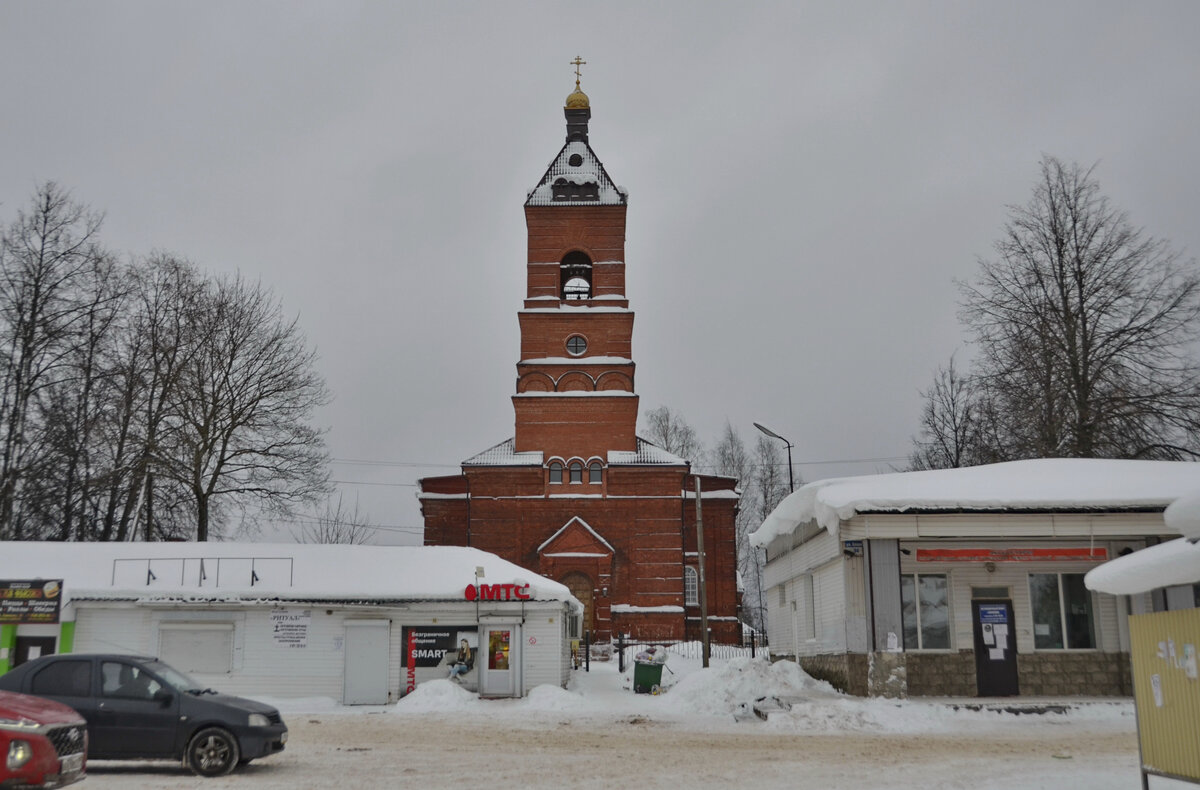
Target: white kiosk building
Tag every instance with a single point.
(358, 624)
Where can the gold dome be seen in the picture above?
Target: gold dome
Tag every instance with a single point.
(578, 100)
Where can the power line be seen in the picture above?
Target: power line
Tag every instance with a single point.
(365, 462)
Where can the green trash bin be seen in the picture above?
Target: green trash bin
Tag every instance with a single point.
(647, 677)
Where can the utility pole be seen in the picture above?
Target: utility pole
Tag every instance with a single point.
(702, 582)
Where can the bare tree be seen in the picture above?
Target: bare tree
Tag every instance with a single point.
(337, 523)
(729, 457)
(950, 423)
(242, 411)
(1085, 328)
(45, 255)
(670, 431)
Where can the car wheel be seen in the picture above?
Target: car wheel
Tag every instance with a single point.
(212, 752)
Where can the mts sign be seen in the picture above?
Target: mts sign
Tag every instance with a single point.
(497, 592)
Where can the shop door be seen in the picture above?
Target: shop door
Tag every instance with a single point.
(28, 648)
(501, 662)
(995, 648)
(366, 665)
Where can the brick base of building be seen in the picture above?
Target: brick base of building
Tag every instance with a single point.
(953, 674)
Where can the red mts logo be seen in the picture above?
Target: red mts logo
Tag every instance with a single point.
(497, 592)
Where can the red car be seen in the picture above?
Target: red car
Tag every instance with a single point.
(42, 743)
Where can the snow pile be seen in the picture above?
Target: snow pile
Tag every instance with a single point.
(738, 684)
(438, 696)
(553, 698)
(1183, 516)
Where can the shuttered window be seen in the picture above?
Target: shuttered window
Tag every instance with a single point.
(203, 648)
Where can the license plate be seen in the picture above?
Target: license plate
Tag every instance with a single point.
(72, 764)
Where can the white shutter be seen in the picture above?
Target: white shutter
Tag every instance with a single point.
(203, 648)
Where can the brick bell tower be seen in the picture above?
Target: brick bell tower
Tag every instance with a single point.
(575, 396)
(575, 494)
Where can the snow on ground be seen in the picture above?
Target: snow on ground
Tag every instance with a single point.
(598, 733)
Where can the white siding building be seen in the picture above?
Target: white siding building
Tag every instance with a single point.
(358, 624)
(967, 582)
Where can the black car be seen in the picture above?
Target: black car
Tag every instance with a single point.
(138, 707)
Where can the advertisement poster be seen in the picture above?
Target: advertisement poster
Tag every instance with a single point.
(289, 627)
(430, 651)
(36, 601)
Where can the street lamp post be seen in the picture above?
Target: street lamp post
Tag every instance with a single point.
(773, 435)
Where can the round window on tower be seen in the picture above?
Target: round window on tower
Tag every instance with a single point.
(576, 345)
(575, 160)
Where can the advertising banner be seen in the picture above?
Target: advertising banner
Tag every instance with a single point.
(426, 647)
(1042, 554)
(29, 602)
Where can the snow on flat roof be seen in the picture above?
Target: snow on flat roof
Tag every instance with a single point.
(1079, 484)
(1164, 565)
(286, 571)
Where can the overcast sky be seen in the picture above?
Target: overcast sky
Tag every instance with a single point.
(806, 182)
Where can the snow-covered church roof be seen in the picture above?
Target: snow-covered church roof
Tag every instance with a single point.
(258, 572)
(1057, 484)
(646, 454)
(578, 165)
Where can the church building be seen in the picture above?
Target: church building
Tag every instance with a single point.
(576, 494)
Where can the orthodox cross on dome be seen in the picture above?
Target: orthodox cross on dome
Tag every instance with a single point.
(577, 63)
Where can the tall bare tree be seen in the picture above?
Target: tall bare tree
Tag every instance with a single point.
(244, 406)
(45, 256)
(1085, 328)
(670, 431)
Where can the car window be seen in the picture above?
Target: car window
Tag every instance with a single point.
(127, 681)
(63, 679)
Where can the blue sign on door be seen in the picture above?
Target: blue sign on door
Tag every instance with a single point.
(993, 613)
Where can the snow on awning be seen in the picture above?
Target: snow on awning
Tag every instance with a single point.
(1164, 565)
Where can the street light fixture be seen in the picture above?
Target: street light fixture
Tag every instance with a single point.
(773, 435)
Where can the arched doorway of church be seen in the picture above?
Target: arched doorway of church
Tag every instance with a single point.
(581, 587)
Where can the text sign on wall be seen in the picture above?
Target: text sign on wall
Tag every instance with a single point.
(289, 627)
(35, 601)
(497, 592)
(1061, 554)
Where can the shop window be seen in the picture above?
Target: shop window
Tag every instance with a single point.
(556, 470)
(576, 469)
(1062, 612)
(925, 611)
(595, 472)
(691, 586)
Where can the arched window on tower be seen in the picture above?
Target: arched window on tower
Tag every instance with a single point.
(576, 470)
(691, 586)
(595, 472)
(576, 276)
(556, 470)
